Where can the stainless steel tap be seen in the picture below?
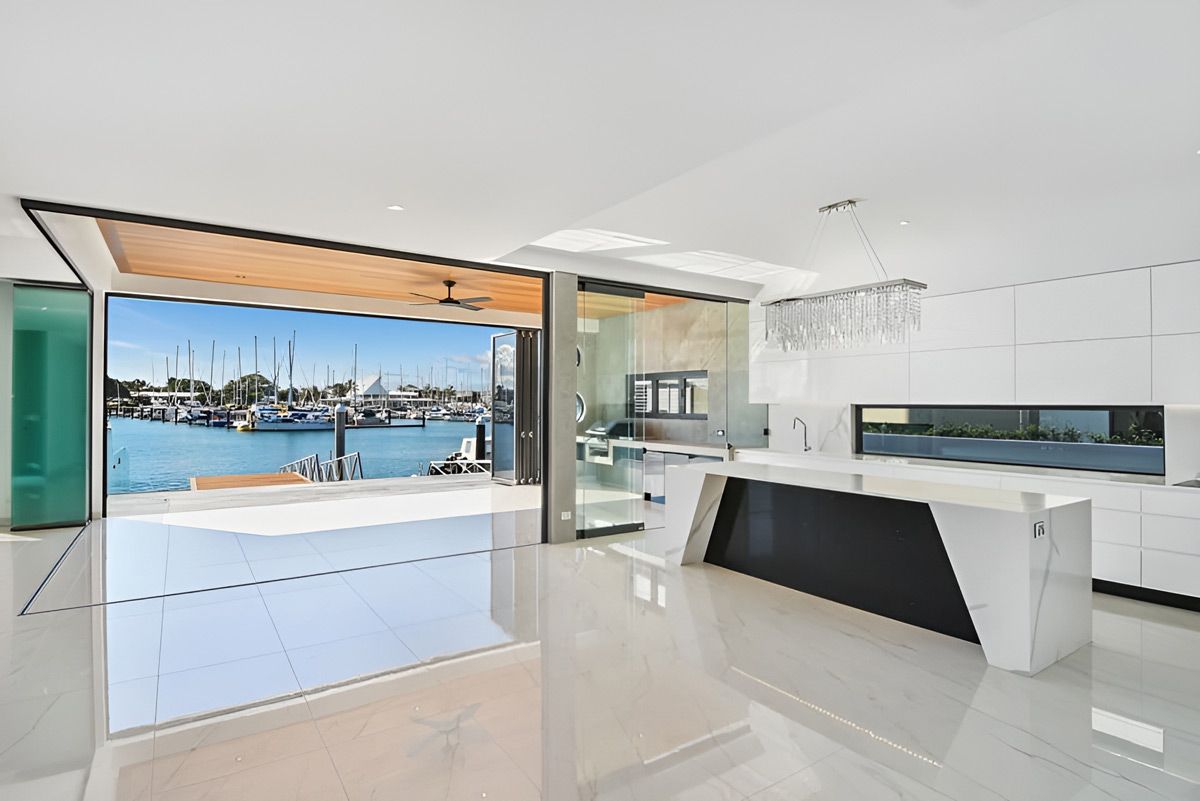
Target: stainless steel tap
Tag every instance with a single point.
(796, 420)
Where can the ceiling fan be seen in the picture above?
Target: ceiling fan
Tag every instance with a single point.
(450, 300)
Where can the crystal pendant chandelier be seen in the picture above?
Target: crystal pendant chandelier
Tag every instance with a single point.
(882, 313)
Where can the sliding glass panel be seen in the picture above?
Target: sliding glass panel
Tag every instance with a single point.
(746, 421)
(611, 411)
(1118, 439)
(50, 408)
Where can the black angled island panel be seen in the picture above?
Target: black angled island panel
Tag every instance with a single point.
(878, 554)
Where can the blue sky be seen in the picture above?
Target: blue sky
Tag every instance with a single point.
(143, 334)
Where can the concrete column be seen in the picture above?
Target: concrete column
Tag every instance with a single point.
(560, 331)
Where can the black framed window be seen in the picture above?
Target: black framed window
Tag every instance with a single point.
(676, 395)
(1113, 439)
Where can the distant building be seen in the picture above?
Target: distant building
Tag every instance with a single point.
(374, 392)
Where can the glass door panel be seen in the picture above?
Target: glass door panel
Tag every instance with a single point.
(611, 411)
(50, 406)
(504, 407)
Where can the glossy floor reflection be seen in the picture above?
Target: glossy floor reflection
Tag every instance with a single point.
(582, 671)
(128, 559)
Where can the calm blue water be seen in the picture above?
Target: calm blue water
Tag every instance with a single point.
(163, 456)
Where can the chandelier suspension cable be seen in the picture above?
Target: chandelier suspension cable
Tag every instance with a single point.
(811, 255)
(879, 313)
(872, 256)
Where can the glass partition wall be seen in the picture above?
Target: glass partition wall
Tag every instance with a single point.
(50, 406)
(610, 423)
(662, 380)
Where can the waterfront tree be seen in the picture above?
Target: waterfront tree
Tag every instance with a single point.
(249, 387)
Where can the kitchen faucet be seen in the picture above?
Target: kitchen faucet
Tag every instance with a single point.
(801, 422)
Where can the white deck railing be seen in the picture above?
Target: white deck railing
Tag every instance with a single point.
(458, 467)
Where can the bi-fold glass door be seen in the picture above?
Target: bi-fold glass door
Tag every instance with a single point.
(516, 407)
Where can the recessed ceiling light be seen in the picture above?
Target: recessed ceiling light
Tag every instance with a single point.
(904, 222)
(395, 208)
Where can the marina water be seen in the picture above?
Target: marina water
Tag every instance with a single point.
(163, 456)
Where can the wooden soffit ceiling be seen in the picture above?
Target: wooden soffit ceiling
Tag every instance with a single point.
(156, 250)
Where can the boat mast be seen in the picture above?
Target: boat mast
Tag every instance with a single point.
(191, 372)
(222, 376)
(354, 379)
(256, 367)
(212, 358)
(291, 365)
(239, 396)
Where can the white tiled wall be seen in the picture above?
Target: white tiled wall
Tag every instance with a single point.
(967, 320)
(1101, 306)
(1098, 370)
(1131, 336)
(1171, 353)
(1127, 337)
(1175, 291)
(969, 375)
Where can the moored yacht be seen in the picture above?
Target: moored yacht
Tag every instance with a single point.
(370, 416)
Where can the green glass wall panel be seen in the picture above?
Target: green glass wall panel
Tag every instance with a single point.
(50, 408)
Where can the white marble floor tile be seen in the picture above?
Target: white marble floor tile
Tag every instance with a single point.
(404, 595)
(597, 671)
(287, 567)
(223, 686)
(258, 546)
(135, 559)
(223, 631)
(134, 636)
(845, 775)
(341, 660)
(186, 577)
(304, 777)
(200, 546)
(132, 704)
(469, 575)
(447, 636)
(321, 614)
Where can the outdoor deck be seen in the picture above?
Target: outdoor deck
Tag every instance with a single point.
(247, 480)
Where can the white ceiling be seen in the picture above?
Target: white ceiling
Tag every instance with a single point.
(1023, 139)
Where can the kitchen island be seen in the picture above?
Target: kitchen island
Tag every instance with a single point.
(1006, 569)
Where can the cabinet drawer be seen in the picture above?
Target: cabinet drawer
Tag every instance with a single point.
(1120, 563)
(1179, 534)
(1119, 528)
(1171, 572)
(1177, 503)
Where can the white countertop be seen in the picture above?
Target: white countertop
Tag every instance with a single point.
(1156, 483)
(661, 446)
(904, 489)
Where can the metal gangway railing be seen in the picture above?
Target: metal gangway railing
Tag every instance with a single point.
(344, 468)
(309, 467)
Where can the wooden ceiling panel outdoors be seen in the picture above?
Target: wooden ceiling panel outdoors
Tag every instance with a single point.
(596, 305)
(161, 251)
